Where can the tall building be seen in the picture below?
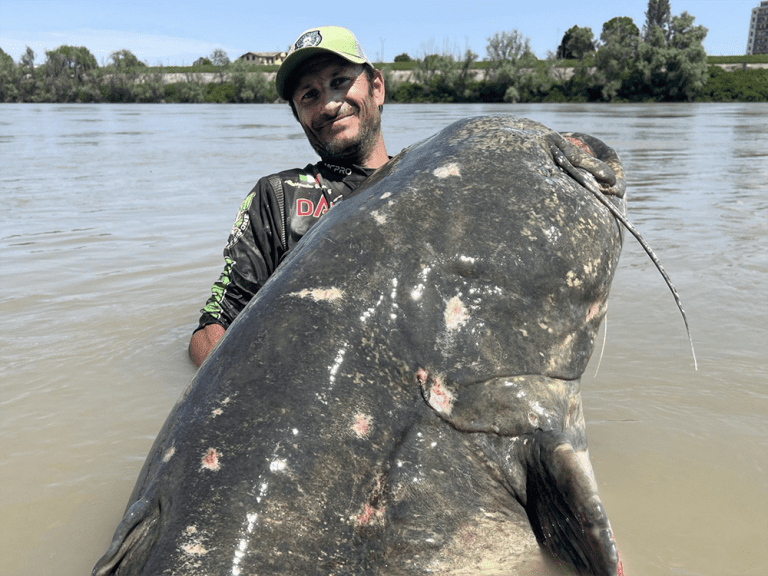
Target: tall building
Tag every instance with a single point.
(758, 30)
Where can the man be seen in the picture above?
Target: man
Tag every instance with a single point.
(336, 95)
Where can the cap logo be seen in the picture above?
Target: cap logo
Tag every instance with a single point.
(312, 38)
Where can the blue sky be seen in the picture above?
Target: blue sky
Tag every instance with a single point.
(177, 32)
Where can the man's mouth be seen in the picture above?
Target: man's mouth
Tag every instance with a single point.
(329, 122)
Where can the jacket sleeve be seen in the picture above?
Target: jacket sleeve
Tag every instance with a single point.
(252, 253)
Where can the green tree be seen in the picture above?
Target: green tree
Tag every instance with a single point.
(5, 59)
(27, 59)
(459, 82)
(219, 58)
(738, 85)
(122, 79)
(577, 42)
(250, 85)
(403, 58)
(514, 74)
(73, 61)
(150, 87)
(442, 78)
(508, 46)
(675, 69)
(430, 66)
(192, 91)
(28, 76)
(66, 68)
(9, 78)
(658, 15)
(124, 60)
(616, 58)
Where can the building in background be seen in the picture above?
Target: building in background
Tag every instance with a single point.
(270, 57)
(758, 30)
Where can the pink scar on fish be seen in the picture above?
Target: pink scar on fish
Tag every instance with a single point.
(368, 513)
(211, 460)
(580, 144)
(169, 454)
(362, 425)
(218, 411)
(194, 549)
(440, 397)
(192, 546)
(593, 311)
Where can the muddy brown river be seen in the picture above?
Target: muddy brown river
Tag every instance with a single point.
(112, 222)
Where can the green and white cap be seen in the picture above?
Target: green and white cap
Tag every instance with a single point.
(315, 41)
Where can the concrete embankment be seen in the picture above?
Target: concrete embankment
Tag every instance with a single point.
(403, 75)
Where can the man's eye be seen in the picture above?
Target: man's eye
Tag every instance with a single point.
(308, 95)
(339, 81)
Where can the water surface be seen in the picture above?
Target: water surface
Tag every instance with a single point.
(112, 221)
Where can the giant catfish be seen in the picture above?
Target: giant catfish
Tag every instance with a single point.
(403, 396)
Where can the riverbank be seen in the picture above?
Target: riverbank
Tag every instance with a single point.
(731, 80)
(476, 74)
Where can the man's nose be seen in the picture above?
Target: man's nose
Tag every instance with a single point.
(332, 101)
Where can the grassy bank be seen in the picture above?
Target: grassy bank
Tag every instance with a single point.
(441, 80)
(481, 65)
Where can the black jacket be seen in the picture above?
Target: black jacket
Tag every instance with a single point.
(256, 245)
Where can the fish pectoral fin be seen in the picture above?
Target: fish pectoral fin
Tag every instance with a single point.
(133, 538)
(564, 508)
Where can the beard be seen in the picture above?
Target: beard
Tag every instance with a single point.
(356, 149)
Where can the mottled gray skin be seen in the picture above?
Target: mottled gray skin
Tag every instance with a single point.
(402, 397)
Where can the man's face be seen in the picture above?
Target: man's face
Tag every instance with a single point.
(338, 108)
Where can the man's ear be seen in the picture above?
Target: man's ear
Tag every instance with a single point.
(379, 91)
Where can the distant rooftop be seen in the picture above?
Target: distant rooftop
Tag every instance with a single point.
(264, 57)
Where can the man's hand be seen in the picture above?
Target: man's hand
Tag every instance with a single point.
(203, 341)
